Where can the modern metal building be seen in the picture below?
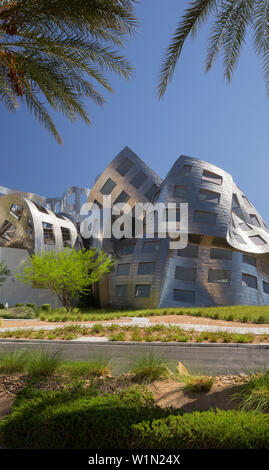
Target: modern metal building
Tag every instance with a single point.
(226, 261)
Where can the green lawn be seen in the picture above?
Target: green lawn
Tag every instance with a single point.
(240, 313)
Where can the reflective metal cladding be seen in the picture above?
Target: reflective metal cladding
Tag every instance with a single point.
(226, 261)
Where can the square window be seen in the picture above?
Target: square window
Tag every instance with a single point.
(254, 220)
(265, 268)
(121, 291)
(124, 167)
(16, 211)
(265, 287)
(203, 217)
(183, 273)
(123, 269)
(108, 187)
(238, 238)
(249, 260)
(122, 198)
(146, 268)
(235, 202)
(186, 170)
(209, 196)
(127, 249)
(49, 238)
(246, 201)
(139, 179)
(7, 231)
(191, 251)
(219, 275)
(180, 191)
(211, 177)
(257, 240)
(66, 234)
(142, 291)
(249, 281)
(151, 247)
(218, 253)
(186, 296)
(151, 192)
(245, 227)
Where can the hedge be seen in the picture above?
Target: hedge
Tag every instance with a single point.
(205, 430)
(76, 420)
(128, 419)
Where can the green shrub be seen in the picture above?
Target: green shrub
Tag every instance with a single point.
(197, 383)
(205, 430)
(12, 362)
(30, 305)
(148, 367)
(254, 394)
(98, 366)
(46, 307)
(76, 419)
(19, 305)
(43, 363)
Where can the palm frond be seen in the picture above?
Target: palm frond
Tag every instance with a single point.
(195, 15)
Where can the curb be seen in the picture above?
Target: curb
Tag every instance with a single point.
(141, 343)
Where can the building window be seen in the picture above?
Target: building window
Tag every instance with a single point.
(191, 251)
(249, 260)
(146, 268)
(211, 177)
(187, 296)
(16, 211)
(219, 276)
(151, 192)
(246, 201)
(186, 170)
(121, 291)
(180, 191)
(254, 220)
(238, 238)
(245, 227)
(124, 167)
(218, 253)
(209, 196)
(265, 287)
(139, 179)
(257, 240)
(49, 238)
(66, 234)
(204, 217)
(265, 268)
(127, 249)
(151, 247)
(122, 198)
(249, 281)
(40, 208)
(235, 202)
(142, 291)
(7, 231)
(183, 273)
(123, 269)
(108, 187)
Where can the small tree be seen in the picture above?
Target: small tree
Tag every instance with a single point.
(4, 272)
(68, 273)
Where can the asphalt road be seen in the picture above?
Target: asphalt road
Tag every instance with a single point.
(215, 360)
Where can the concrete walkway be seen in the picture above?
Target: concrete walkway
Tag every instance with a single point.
(144, 322)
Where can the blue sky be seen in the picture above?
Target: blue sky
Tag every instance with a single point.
(200, 116)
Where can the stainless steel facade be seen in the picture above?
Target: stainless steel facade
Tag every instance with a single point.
(26, 224)
(226, 261)
(227, 258)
